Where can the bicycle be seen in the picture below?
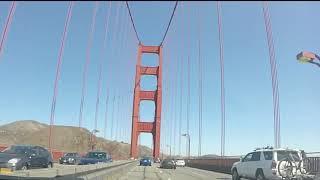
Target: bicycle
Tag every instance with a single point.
(289, 167)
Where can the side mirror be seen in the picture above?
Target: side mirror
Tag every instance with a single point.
(241, 159)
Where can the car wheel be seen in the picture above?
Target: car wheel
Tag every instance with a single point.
(24, 167)
(260, 175)
(235, 175)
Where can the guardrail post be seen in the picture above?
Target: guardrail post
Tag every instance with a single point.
(75, 172)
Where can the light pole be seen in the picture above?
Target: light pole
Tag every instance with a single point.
(308, 57)
(170, 149)
(188, 145)
(93, 134)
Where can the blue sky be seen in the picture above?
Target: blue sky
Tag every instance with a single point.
(28, 61)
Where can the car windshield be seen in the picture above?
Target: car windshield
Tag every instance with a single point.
(167, 161)
(97, 155)
(288, 154)
(18, 150)
(147, 158)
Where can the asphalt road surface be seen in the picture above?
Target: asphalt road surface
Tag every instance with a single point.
(181, 173)
(59, 169)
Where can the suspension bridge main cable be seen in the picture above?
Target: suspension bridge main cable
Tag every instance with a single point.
(8, 22)
(165, 34)
(58, 72)
(132, 22)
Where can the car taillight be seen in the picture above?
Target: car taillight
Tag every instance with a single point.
(273, 165)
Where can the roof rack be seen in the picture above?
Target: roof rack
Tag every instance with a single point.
(268, 147)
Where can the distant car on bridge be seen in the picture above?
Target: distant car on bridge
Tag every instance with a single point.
(180, 163)
(95, 157)
(23, 157)
(269, 163)
(145, 161)
(168, 164)
(70, 158)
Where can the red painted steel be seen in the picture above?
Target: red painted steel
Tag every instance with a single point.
(156, 96)
(147, 95)
(149, 70)
(3, 147)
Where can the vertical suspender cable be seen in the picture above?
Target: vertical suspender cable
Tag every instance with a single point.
(200, 85)
(106, 115)
(8, 23)
(85, 72)
(180, 120)
(188, 105)
(221, 80)
(175, 110)
(101, 65)
(58, 70)
(274, 75)
(117, 117)
(181, 81)
(112, 117)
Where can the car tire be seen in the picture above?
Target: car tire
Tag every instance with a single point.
(235, 175)
(260, 175)
(25, 167)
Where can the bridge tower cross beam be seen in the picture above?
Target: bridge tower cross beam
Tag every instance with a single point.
(139, 126)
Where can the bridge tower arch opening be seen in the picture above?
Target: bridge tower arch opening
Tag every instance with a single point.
(141, 125)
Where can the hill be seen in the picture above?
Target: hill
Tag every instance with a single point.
(65, 138)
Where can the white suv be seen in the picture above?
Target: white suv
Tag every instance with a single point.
(180, 163)
(265, 164)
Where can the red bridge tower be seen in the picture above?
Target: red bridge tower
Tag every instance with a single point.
(139, 126)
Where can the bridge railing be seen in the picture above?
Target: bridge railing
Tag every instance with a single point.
(213, 164)
(315, 165)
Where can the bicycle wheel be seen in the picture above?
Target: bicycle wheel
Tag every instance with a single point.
(305, 166)
(285, 169)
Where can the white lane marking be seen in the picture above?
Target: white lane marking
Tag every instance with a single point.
(160, 171)
(169, 178)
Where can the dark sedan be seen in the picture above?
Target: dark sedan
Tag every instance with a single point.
(70, 158)
(168, 164)
(23, 157)
(95, 157)
(145, 161)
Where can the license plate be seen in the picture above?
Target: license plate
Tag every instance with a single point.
(5, 171)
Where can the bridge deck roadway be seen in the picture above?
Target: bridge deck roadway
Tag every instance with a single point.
(181, 173)
(59, 169)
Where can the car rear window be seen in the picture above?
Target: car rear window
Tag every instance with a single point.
(97, 155)
(287, 154)
(268, 155)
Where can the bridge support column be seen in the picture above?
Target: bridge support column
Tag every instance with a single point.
(139, 126)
